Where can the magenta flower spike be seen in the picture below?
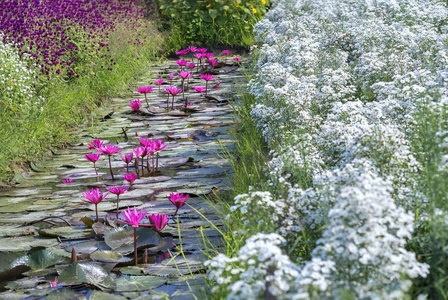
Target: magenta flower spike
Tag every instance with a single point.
(159, 82)
(127, 159)
(130, 177)
(118, 191)
(158, 222)
(138, 151)
(93, 158)
(158, 147)
(213, 63)
(145, 90)
(184, 75)
(182, 52)
(133, 218)
(109, 150)
(95, 197)
(54, 283)
(207, 78)
(135, 105)
(95, 144)
(174, 92)
(226, 53)
(178, 200)
(68, 180)
(181, 63)
(199, 89)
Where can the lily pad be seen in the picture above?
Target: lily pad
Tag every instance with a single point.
(121, 239)
(65, 294)
(138, 283)
(24, 243)
(65, 232)
(86, 272)
(98, 295)
(101, 228)
(88, 247)
(38, 260)
(108, 256)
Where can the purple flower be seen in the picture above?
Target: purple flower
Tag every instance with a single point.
(133, 217)
(178, 199)
(135, 105)
(158, 221)
(199, 89)
(109, 149)
(68, 180)
(95, 144)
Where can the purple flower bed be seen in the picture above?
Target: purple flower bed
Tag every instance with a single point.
(58, 34)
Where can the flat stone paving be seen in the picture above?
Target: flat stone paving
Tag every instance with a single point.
(193, 163)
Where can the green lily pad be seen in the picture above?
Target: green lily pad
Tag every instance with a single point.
(101, 228)
(121, 239)
(98, 295)
(24, 243)
(133, 270)
(65, 232)
(6, 258)
(138, 283)
(86, 272)
(65, 294)
(108, 256)
(38, 260)
(87, 247)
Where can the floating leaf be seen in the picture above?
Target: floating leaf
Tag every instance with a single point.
(108, 256)
(24, 243)
(138, 283)
(65, 294)
(87, 247)
(101, 228)
(98, 295)
(38, 260)
(122, 239)
(86, 272)
(65, 232)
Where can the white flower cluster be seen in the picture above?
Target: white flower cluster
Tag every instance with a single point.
(339, 88)
(260, 268)
(17, 92)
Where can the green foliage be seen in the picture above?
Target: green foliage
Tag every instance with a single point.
(26, 137)
(228, 22)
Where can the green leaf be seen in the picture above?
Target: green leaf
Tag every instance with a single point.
(38, 260)
(108, 256)
(213, 13)
(122, 239)
(86, 272)
(138, 283)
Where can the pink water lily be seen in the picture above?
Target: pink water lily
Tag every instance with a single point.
(208, 55)
(130, 177)
(127, 159)
(95, 197)
(145, 90)
(93, 158)
(173, 91)
(201, 50)
(226, 53)
(68, 180)
(54, 283)
(191, 65)
(158, 147)
(181, 63)
(207, 78)
(158, 222)
(95, 144)
(192, 49)
(199, 89)
(184, 75)
(109, 150)
(178, 200)
(150, 148)
(199, 58)
(237, 60)
(213, 63)
(118, 191)
(139, 152)
(134, 217)
(159, 82)
(182, 52)
(217, 85)
(135, 105)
